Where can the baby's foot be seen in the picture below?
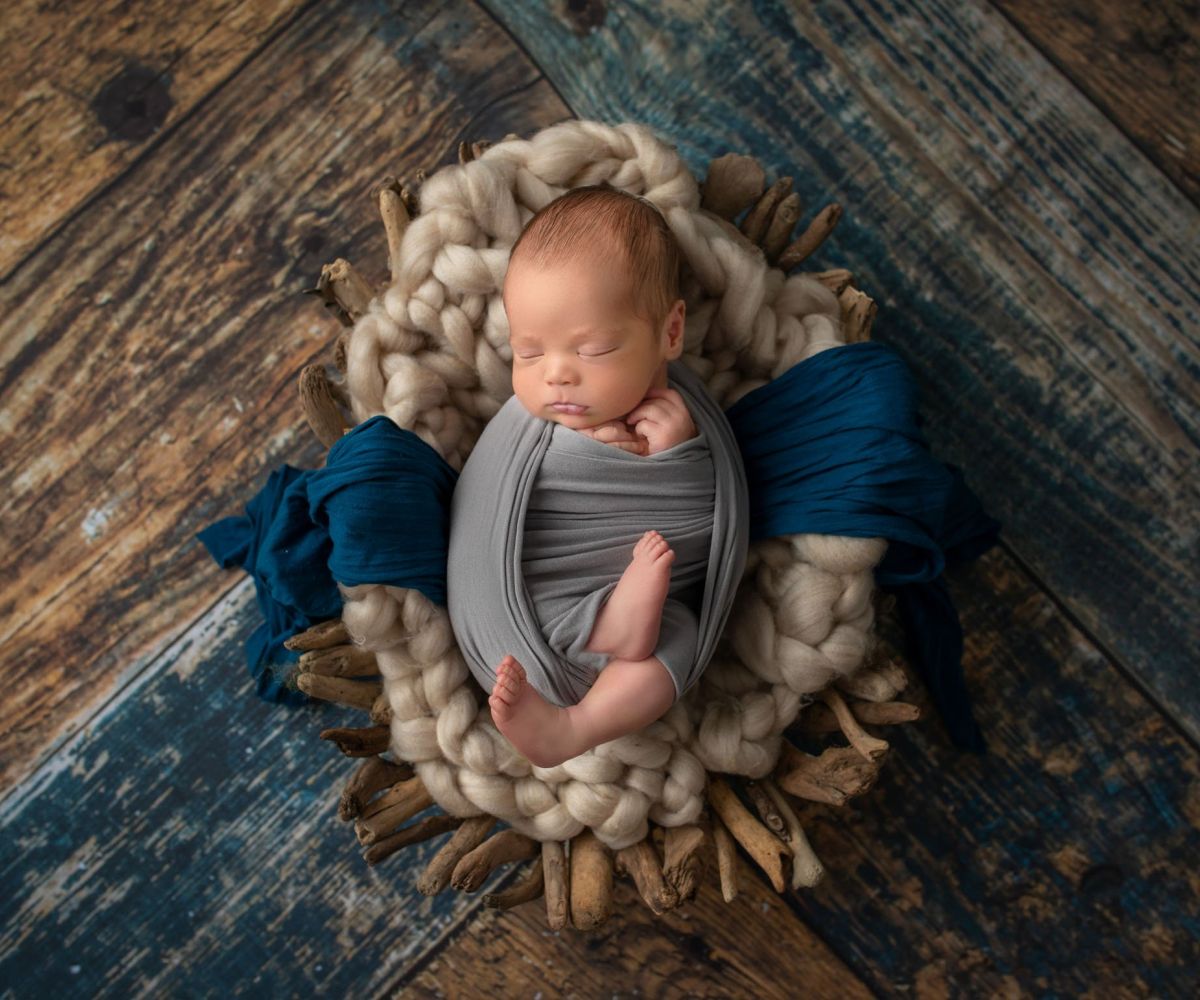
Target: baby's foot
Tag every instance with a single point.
(630, 620)
(541, 731)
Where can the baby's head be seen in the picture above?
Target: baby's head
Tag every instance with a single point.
(592, 298)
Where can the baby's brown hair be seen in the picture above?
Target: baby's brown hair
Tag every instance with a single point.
(579, 222)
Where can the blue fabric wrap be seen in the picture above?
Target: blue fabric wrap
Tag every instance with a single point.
(377, 513)
(833, 446)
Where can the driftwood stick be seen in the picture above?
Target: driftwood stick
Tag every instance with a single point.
(397, 805)
(767, 850)
(819, 718)
(820, 227)
(381, 710)
(395, 221)
(423, 829)
(732, 183)
(409, 791)
(765, 807)
(869, 746)
(368, 742)
(340, 661)
(408, 197)
(681, 858)
(339, 360)
(476, 865)
(640, 861)
(835, 776)
(372, 775)
(320, 636)
(807, 869)
(591, 881)
(467, 837)
(343, 290)
(343, 690)
(858, 312)
(726, 859)
(782, 224)
(755, 224)
(320, 408)
(834, 279)
(531, 886)
(556, 876)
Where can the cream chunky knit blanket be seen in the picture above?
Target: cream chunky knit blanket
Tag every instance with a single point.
(431, 352)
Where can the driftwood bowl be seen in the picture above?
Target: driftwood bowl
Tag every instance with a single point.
(576, 876)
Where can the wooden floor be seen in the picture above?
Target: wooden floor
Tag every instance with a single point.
(1020, 191)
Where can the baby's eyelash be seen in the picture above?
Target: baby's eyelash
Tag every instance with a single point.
(529, 357)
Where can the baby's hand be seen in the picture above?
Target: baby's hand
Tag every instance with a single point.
(618, 434)
(662, 418)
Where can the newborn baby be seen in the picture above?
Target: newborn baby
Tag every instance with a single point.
(591, 295)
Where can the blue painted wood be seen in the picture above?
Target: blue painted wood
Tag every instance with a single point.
(1062, 861)
(1034, 269)
(186, 843)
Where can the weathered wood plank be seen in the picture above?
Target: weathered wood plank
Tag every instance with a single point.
(1138, 62)
(1036, 272)
(752, 947)
(187, 842)
(149, 351)
(1060, 863)
(89, 87)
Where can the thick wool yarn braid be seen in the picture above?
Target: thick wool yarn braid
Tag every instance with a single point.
(431, 352)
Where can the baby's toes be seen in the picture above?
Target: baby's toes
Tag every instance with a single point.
(501, 710)
(648, 543)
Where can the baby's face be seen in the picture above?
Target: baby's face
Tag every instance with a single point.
(574, 337)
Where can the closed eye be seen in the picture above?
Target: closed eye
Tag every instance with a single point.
(529, 357)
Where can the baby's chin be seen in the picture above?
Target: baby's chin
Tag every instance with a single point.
(576, 421)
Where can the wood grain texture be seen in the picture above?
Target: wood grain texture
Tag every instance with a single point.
(1138, 62)
(188, 844)
(1060, 863)
(752, 947)
(149, 352)
(173, 834)
(89, 87)
(1030, 265)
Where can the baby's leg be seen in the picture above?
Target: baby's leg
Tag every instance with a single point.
(628, 624)
(626, 696)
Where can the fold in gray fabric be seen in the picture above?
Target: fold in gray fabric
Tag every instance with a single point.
(543, 522)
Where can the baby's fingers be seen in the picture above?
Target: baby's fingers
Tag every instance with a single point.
(652, 409)
(612, 432)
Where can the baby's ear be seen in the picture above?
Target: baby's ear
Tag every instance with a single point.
(675, 327)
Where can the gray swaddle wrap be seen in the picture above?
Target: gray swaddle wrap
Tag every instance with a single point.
(543, 522)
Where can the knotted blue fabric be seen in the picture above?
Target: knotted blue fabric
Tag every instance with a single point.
(833, 446)
(377, 513)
